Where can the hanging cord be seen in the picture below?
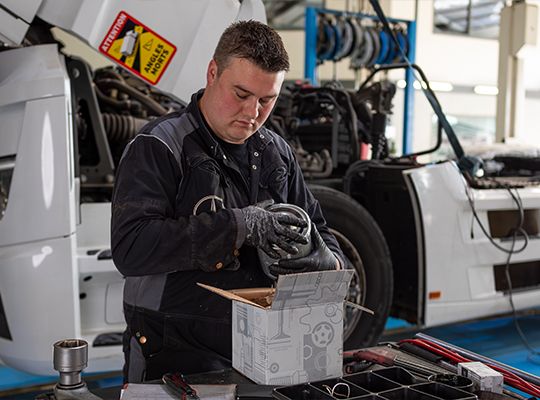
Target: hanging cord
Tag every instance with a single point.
(514, 232)
(465, 162)
(510, 289)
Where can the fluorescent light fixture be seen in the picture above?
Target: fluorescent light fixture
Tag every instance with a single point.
(435, 86)
(487, 90)
(441, 86)
(416, 85)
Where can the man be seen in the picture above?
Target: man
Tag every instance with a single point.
(186, 209)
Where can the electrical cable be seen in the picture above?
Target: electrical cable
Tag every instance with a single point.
(510, 289)
(532, 352)
(355, 168)
(334, 393)
(466, 163)
(152, 104)
(514, 232)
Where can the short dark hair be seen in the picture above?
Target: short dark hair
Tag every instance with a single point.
(253, 41)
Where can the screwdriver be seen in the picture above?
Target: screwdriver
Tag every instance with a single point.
(179, 388)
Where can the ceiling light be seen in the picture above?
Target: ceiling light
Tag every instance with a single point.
(488, 90)
(441, 86)
(436, 86)
(416, 85)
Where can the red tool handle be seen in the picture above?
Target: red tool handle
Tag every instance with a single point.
(379, 356)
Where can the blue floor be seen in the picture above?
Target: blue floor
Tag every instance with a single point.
(495, 338)
(498, 339)
(12, 381)
(16, 385)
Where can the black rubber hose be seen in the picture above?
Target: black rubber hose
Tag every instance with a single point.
(122, 127)
(114, 103)
(153, 105)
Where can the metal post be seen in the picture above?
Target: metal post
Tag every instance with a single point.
(310, 62)
(408, 114)
(518, 26)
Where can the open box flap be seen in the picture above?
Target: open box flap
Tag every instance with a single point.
(295, 290)
(242, 295)
(311, 288)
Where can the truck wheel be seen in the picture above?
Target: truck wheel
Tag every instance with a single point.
(366, 251)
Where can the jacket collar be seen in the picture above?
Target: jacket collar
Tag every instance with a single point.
(193, 109)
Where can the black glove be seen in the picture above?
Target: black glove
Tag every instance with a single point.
(321, 258)
(265, 229)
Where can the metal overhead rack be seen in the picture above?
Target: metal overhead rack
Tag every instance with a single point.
(311, 62)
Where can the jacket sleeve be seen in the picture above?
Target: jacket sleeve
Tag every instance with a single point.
(146, 236)
(300, 195)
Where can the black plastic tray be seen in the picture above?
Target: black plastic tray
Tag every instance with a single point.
(393, 383)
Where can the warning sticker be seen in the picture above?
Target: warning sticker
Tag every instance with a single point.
(137, 48)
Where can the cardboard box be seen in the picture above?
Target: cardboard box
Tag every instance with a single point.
(291, 334)
(484, 377)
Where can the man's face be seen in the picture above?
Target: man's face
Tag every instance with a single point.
(237, 103)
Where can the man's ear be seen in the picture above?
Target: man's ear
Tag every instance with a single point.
(211, 73)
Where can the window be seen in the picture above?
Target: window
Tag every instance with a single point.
(471, 132)
(288, 14)
(478, 18)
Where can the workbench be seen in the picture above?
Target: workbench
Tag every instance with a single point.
(383, 372)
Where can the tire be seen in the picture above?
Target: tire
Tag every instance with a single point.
(365, 248)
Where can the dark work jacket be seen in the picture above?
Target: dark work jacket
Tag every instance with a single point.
(176, 217)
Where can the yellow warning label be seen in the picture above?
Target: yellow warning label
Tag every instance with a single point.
(137, 48)
(155, 55)
(114, 50)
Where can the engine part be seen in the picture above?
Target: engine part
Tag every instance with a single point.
(303, 249)
(96, 165)
(153, 105)
(314, 165)
(122, 128)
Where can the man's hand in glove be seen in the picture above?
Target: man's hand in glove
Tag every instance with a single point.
(321, 258)
(265, 229)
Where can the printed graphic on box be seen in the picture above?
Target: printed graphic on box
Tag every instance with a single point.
(299, 338)
(288, 346)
